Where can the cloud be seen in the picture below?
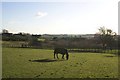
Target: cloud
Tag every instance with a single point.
(41, 14)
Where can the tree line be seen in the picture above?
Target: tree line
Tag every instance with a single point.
(104, 39)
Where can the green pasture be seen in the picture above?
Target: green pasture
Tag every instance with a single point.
(39, 63)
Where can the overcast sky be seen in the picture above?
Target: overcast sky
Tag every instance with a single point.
(83, 17)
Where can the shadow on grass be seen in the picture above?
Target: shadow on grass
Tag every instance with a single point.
(45, 60)
(109, 56)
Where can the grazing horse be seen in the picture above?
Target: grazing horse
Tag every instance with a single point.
(62, 51)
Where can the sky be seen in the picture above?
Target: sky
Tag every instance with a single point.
(83, 17)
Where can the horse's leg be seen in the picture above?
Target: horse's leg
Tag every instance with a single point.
(54, 55)
(67, 56)
(57, 56)
(62, 56)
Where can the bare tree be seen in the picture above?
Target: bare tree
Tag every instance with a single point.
(107, 37)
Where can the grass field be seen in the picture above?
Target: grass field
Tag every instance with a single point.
(39, 63)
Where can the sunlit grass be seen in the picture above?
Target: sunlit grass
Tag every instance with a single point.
(24, 63)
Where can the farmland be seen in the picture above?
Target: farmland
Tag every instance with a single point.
(39, 63)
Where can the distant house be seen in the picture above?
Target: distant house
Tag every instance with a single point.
(7, 34)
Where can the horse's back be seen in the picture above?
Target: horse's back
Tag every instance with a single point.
(60, 50)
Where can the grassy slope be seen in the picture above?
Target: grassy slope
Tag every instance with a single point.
(17, 64)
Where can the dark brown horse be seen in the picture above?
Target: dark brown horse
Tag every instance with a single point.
(62, 51)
